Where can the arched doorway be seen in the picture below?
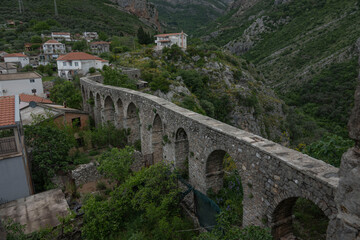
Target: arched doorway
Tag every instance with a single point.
(109, 110)
(120, 114)
(182, 153)
(215, 171)
(299, 218)
(157, 135)
(133, 123)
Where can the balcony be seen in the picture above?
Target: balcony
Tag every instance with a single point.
(8, 146)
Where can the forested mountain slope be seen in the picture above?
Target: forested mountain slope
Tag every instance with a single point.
(189, 15)
(75, 16)
(306, 51)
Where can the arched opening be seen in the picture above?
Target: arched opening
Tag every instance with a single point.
(120, 114)
(299, 218)
(224, 185)
(157, 135)
(109, 110)
(97, 109)
(182, 153)
(133, 123)
(215, 171)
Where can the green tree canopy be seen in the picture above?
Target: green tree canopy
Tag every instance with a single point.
(65, 91)
(49, 146)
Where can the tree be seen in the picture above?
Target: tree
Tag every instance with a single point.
(143, 37)
(36, 39)
(49, 69)
(115, 77)
(103, 36)
(115, 164)
(49, 146)
(80, 46)
(65, 91)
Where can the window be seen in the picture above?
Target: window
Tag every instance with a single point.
(76, 64)
(76, 122)
(32, 80)
(64, 64)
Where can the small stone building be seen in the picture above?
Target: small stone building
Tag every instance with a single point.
(99, 47)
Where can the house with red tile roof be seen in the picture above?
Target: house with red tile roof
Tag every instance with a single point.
(15, 180)
(99, 47)
(19, 58)
(76, 63)
(169, 39)
(33, 98)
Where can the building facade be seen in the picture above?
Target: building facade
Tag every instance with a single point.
(76, 63)
(90, 36)
(99, 47)
(6, 68)
(15, 180)
(52, 50)
(19, 58)
(61, 36)
(167, 40)
(17, 83)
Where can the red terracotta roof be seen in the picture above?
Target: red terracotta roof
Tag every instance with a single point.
(60, 33)
(15, 55)
(79, 56)
(33, 98)
(7, 111)
(100, 42)
(168, 34)
(52, 41)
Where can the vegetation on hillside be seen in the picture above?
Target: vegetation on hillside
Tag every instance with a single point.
(74, 16)
(188, 16)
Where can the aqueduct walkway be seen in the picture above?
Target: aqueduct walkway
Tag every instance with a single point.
(273, 176)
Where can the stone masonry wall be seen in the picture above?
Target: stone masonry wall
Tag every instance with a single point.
(272, 175)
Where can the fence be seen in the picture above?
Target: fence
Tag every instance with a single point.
(206, 209)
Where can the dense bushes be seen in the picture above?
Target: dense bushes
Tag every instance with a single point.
(115, 77)
(145, 206)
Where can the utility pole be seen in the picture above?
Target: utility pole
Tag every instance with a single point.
(56, 11)
(21, 6)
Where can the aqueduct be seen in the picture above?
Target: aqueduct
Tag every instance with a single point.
(273, 176)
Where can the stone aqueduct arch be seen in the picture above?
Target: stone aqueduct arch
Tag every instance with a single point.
(273, 176)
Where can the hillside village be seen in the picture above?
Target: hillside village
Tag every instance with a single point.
(132, 130)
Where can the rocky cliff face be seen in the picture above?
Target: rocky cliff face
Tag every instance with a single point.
(143, 9)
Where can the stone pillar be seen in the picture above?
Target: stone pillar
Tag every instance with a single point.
(346, 226)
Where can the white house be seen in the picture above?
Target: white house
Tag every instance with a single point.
(52, 49)
(17, 83)
(90, 36)
(59, 36)
(167, 40)
(75, 63)
(20, 58)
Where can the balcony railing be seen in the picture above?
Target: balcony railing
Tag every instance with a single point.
(8, 146)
